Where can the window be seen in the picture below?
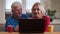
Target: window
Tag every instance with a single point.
(9, 2)
(29, 3)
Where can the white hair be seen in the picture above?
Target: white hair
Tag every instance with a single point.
(15, 3)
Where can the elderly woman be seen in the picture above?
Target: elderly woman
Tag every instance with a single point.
(38, 12)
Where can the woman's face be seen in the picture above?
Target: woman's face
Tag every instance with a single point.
(36, 11)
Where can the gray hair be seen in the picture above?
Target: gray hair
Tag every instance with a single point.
(15, 3)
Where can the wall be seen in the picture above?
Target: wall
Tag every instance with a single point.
(55, 4)
(46, 4)
(52, 4)
(56, 28)
(2, 11)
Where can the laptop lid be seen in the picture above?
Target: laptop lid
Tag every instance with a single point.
(31, 25)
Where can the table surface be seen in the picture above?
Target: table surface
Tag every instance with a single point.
(29, 33)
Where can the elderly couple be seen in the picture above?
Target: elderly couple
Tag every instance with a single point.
(37, 12)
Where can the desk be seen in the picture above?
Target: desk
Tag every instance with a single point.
(9, 33)
(33, 33)
(52, 33)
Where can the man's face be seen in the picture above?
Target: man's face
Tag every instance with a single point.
(17, 10)
(36, 11)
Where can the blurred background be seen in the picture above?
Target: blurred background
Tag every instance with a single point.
(50, 5)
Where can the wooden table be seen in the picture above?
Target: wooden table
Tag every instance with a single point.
(29, 33)
(52, 33)
(9, 32)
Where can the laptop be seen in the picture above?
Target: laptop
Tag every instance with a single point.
(31, 25)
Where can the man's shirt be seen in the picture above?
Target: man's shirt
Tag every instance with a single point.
(13, 21)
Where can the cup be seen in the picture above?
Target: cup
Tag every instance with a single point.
(10, 28)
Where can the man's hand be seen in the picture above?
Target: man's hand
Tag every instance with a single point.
(16, 29)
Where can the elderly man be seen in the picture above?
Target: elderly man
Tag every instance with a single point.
(16, 14)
